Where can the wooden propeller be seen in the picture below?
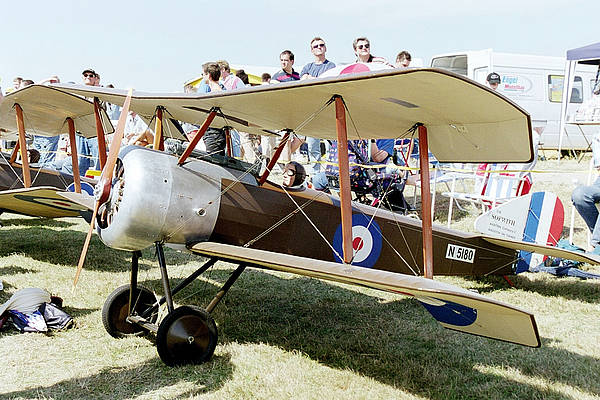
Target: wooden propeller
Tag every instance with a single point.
(102, 192)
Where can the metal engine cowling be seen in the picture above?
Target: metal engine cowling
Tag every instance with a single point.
(153, 199)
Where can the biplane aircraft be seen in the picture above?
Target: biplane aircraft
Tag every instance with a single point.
(31, 189)
(226, 211)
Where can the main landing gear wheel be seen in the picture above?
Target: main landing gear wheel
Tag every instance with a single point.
(116, 308)
(188, 335)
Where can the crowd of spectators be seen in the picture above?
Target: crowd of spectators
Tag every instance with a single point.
(216, 77)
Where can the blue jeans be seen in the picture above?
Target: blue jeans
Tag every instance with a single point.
(236, 150)
(314, 154)
(319, 181)
(47, 146)
(585, 199)
(94, 153)
(85, 149)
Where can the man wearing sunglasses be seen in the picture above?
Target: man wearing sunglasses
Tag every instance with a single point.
(87, 149)
(90, 77)
(321, 64)
(311, 71)
(362, 49)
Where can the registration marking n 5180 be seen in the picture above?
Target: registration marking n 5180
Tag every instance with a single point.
(460, 253)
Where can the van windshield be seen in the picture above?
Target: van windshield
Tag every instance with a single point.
(556, 85)
(456, 64)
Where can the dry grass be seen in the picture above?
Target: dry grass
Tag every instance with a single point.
(283, 336)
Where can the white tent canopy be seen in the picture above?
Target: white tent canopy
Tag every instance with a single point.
(583, 55)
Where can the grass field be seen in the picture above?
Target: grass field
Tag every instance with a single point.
(282, 336)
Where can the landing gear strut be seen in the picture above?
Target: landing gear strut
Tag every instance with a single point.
(187, 335)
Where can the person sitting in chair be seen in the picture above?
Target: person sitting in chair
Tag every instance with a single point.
(294, 176)
(369, 174)
(586, 198)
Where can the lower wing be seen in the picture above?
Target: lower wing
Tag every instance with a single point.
(453, 307)
(40, 201)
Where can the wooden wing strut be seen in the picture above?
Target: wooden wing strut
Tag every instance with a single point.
(344, 169)
(23, 147)
(100, 134)
(74, 159)
(276, 155)
(159, 142)
(425, 202)
(196, 139)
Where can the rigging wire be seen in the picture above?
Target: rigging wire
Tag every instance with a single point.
(19, 179)
(33, 134)
(410, 130)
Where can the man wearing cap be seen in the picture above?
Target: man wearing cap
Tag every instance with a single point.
(87, 149)
(493, 80)
(90, 77)
(92, 143)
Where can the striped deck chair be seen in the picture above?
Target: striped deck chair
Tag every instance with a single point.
(493, 187)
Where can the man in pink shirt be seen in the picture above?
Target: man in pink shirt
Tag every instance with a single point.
(230, 81)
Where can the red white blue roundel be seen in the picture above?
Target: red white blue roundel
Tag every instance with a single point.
(366, 241)
(85, 187)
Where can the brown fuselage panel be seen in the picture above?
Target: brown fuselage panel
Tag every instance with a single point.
(266, 218)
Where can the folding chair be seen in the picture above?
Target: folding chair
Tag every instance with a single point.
(492, 187)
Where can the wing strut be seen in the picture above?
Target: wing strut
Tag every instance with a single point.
(278, 150)
(227, 130)
(23, 147)
(99, 134)
(425, 202)
(159, 143)
(15, 152)
(74, 159)
(196, 139)
(344, 174)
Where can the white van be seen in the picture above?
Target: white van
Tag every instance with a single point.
(533, 82)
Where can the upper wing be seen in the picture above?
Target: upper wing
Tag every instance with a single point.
(453, 307)
(40, 201)
(46, 110)
(466, 121)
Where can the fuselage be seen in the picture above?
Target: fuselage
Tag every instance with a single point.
(155, 200)
(11, 176)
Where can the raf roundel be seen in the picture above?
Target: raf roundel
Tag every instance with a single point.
(366, 241)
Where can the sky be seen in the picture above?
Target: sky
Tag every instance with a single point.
(158, 45)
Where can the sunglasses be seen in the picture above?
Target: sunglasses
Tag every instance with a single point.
(89, 75)
(360, 46)
(316, 46)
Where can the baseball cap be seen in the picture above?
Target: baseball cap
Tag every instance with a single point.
(89, 70)
(493, 78)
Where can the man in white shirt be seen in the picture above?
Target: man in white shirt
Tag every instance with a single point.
(137, 131)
